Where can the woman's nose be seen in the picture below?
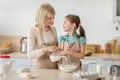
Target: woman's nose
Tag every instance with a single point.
(52, 19)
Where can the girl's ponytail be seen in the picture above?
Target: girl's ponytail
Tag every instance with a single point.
(82, 31)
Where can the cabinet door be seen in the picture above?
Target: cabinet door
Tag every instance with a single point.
(105, 63)
(92, 64)
(116, 62)
(21, 62)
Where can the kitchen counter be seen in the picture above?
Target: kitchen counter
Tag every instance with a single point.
(92, 57)
(17, 55)
(52, 74)
(41, 74)
(103, 56)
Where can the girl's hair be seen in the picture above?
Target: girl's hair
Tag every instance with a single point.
(75, 19)
(42, 12)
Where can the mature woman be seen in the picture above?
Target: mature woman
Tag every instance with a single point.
(42, 37)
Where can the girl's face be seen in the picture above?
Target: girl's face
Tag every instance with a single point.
(67, 25)
(49, 20)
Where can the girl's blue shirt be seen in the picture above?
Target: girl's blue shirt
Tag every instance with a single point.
(81, 40)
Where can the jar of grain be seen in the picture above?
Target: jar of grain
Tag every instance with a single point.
(108, 47)
(114, 41)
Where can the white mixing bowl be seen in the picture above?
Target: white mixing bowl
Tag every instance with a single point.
(67, 67)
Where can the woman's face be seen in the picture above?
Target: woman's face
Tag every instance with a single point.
(49, 19)
(67, 25)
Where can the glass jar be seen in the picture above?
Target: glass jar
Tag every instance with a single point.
(108, 47)
(117, 49)
(114, 42)
(5, 64)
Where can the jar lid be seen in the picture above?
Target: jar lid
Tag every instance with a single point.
(4, 56)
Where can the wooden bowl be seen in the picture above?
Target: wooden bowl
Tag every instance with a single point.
(4, 50)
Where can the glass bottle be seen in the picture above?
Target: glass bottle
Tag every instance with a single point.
(117, 37)
(117, 49)
(99, 66)
(5, 64)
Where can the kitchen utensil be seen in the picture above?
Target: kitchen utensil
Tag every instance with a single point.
(67, 67)
(23, 43)
(4, 50)
(68, 55)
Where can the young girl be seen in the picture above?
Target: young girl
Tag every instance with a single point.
(73, 44)
(42, 37)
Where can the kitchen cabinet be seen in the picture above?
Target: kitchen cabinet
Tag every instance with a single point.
(21, 62)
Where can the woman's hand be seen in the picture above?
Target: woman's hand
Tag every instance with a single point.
(51, 48)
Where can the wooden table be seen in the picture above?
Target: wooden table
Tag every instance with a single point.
(41, 74)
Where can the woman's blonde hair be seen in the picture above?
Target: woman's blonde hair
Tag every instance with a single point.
(42, 12)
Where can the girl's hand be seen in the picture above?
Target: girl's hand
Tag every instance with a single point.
(67, 49)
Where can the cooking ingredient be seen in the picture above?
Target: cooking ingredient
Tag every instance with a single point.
(117, 48)
(22, 70)
(108, 47)
(27, 75)
(114, 42)
(88, 75)
(5, 64)
(5, 45)
(67, 67)
(88, 52)
(5, 67)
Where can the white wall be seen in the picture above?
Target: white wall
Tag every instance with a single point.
(16, 16)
